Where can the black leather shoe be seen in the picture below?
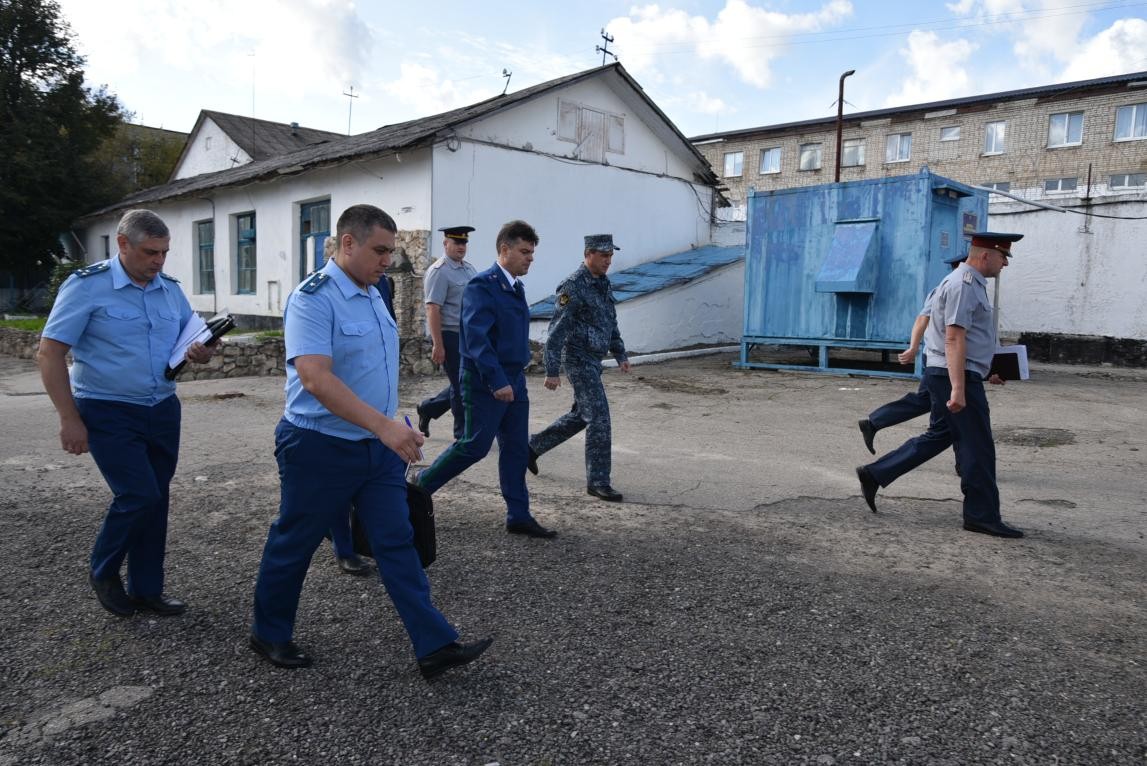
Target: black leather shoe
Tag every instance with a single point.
(164, 606)
(354, 565)
(869, 433)
(993, 528)
(423, 422)
(868, 486)
(451, 656)
(112, 596)
(605, 492)
(284, 655)
(532, 462)
(530, 528)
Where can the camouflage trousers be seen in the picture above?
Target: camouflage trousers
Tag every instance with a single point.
(590, 412)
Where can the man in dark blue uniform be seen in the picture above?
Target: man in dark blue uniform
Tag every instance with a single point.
(495, 343)
(582, 331)
(120, 318)
(961, 340)
(338, 443)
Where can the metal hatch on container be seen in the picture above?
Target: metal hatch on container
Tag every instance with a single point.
(853, 258)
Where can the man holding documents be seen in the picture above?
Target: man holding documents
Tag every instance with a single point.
(339, 444)
(120, 318)
(961, 340)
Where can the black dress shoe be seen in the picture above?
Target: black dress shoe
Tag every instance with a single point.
(284, 655)
(164, 606)
(605, 492)
(451, 656)
(994, 528)
(868, 486)
(868, 431)
(423, 422)
(532, 461)
(354, 565)
(530, 528)
(112, 596)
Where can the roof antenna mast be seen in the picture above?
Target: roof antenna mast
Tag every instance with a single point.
(507, 74)
(604, 50)
(350, 97)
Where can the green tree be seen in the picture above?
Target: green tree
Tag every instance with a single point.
(50, 127)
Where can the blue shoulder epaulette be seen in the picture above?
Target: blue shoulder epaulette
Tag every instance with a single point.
(314, 282)
(168, 277)
(95, 268)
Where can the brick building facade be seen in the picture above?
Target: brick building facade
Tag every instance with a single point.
(1042, 143)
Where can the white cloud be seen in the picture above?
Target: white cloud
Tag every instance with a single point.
(1120, 48)
(927, 81)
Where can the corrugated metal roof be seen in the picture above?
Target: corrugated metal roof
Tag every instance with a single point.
(649, 277)
(412, 134)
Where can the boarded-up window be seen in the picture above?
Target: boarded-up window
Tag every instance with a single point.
(593, 130)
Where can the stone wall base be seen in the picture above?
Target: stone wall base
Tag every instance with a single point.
(1085, 349)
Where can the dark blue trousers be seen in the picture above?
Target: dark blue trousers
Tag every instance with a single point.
(136, 448)
(905, 408)
(340, 534)
(450, 397)
(320, 477)
(969, 430)
(486, 418)
(590, 413)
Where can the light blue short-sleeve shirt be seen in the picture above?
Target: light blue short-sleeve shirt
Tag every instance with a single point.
(961, 299)
(121, 335)
(332, 316)
(444, 283)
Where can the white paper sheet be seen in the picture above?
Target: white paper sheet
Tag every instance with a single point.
(194, 331)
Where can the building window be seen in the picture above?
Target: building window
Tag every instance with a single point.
(852, 152)
(999, 185)
(205, 265)
(107, 243)
(994, 133)
(810, 156)
(1065, 129)
(314, 228)
(898, 147)
(734, 164)
(771, 160)
(950, 133)
(595, 131)
(245, 271)
(1128, 180)
(1131, 122)
(1060, 184)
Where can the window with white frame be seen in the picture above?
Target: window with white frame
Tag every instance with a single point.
(1131, 122)
(994, 135)
(205, 256)
(1067, 184)
(950, 133)
(595, 131)
(771, 160)
(1128, 180)
(852, 153)
(734, 164)
(898, 147)
(810, 157)
(1065, 129)
(998, 185)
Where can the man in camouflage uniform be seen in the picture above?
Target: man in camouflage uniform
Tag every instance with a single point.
(582, 331)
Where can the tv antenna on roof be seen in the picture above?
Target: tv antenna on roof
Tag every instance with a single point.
(604, 50)
(507, 74)
(350, 97)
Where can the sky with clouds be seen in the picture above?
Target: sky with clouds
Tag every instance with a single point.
(711, 65)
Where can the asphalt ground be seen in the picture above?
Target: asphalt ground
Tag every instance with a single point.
(742, 606)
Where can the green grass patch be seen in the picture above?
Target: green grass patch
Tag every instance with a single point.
(36, 324)
(269, 334)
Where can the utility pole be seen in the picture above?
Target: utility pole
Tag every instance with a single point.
(840, 121)
(604, 50)
(350, 96)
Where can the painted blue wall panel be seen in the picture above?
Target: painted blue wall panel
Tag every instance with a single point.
(852, 260)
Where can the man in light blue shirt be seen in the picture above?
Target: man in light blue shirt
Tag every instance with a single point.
(120, 319)
(339, 444)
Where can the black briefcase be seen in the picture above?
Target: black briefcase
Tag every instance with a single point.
(421, 518)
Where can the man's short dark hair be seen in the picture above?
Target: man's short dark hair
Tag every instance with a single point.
(359, 221)
(513, 232)
(138, 225)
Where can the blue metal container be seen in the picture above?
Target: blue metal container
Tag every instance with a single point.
(848, 265)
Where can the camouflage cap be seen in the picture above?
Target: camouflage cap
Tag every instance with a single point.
(603, 243)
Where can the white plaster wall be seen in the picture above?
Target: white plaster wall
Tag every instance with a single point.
(201, 158)
(535, 123)
(484, 187)
(706, 311)
(400, 188)
(1075, 275)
